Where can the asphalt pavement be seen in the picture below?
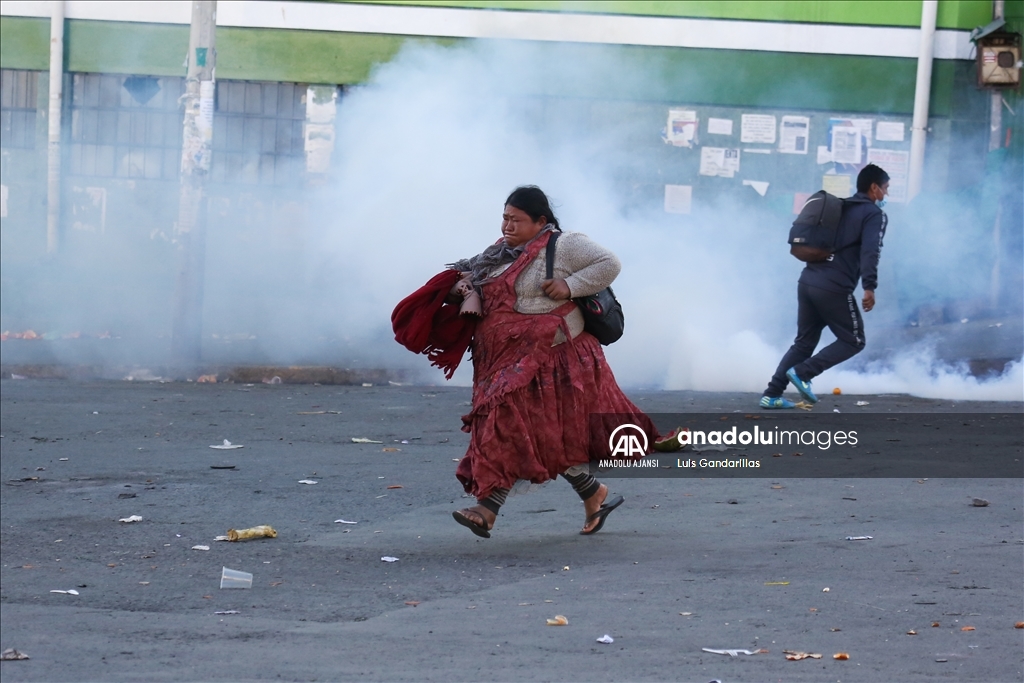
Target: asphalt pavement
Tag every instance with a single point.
(752, 564)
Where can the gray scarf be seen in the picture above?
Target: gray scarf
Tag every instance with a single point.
(498, 254)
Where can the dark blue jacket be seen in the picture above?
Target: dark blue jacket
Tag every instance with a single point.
(859, 241)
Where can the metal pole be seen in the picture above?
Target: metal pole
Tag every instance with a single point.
(995, 141)
(190, 230)
(53, 132)
(922, 94)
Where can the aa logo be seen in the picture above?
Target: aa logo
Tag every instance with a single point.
(628, 441)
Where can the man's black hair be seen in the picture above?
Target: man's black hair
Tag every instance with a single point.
(871, 175)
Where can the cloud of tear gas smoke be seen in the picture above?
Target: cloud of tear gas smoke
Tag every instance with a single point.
(433, 145)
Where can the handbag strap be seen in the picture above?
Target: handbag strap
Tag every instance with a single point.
(550, 253)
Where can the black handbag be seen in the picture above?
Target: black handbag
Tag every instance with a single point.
(602, 312)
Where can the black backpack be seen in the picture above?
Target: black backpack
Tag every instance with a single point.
(602, 312)
(813, 235)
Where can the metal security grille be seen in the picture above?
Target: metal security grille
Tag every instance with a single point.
(125, 127)
(18, 108)
(257, 133)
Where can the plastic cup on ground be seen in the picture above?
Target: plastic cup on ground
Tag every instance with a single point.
(232, 578)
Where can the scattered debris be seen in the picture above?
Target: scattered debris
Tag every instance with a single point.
(262, 531)
(559, 620)
(363, 439)
(319, 412)
(273, 380)
(388, 558)
(686, 614)
(63, 459)
(308, 481)
(1019, 624)
(72, 591)
(795, 655)
(129, 520)
(396, 486)
(389, 449)
(979, 502)
(859, 538)
(10, 654)
(967, 628)
(911, 632)
(776, 583)
(207, 379)
(835, 410)
(228, 446)
(344, 521)
(863, 403)
(842, 656)
(935, 624)
(200, 547)
(412, 603)
(221, 538)
(825, 589)
(228, 611)
(123, 496)
(565, 568)
(734, 653)
(606, 639)
(232, 578)
(222, 467)
(367, 384)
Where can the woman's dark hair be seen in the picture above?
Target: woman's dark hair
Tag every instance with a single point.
(532, 201)
(871, 175)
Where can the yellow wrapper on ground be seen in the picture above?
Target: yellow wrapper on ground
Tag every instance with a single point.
(262, 531)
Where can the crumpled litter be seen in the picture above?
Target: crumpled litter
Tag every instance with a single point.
(228, 611)
(71, 591)
(200, 547)
(10, 654)
(363, 439)
(559, 620)
(841, 656)
(795, 655)
(734, 653)
(606, 639)
(228, 446)
(859, 538)
(129, 520)
(979, 502)
(273, 380)
(307, 481)
(863, 403)
(388, 558)
(344, 521)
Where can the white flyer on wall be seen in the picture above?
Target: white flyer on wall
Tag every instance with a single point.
(720, 126)
(719, 161)
(678, 198)
(846, 144)
(682, 127)
(897, 164)
(758, 128)
(865, 127)
(793, 134)
(890, 131)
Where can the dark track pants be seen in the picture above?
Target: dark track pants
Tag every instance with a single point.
(818, 308)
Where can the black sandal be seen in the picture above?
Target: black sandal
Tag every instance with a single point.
(479, 529)
(602, 514)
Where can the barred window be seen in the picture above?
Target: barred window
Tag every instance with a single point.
(125, 127)
(257, 133)
(18, 108)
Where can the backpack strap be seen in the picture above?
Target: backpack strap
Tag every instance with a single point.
(550, 253)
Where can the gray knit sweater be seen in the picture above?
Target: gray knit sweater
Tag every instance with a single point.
(586, 267)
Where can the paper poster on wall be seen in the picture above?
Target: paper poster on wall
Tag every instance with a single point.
(718, 161)
(799, 199)
(793, 134)
(759, 186)
(897, 164)
(720, 126)
(865, 127)
(839, 185)
(758, 128)
(889, 131)
(824, 155)
(678, 198)
(846, 141)
(682, 127)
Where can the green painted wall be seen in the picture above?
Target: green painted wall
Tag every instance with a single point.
(824, 82)
(953, 14)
